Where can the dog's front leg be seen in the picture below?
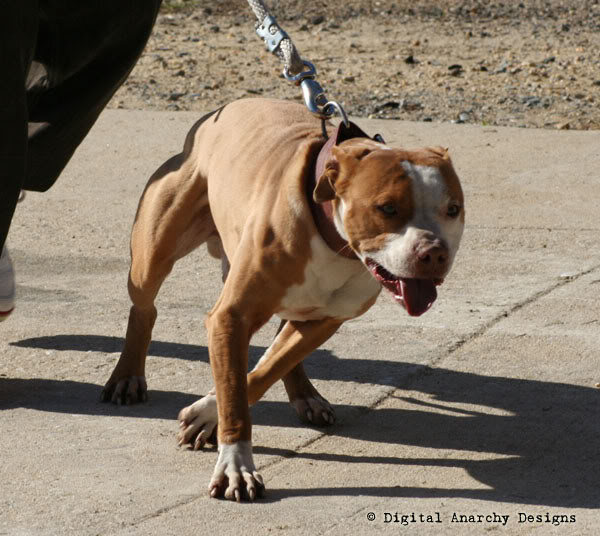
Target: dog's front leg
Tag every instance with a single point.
(293, 343)
(198, 421)
(235, 475)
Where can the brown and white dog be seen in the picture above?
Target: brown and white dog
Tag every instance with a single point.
(374, 217)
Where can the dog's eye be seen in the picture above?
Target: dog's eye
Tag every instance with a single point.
(453, 210)
(388, 209)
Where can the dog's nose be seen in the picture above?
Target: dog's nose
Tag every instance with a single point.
(433, 254)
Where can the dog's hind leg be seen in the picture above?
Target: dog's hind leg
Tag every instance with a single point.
(198, 422)
(282, 360)
(173, 218)
(310, 406)
(235, 472)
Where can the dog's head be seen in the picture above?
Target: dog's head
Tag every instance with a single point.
(402, 212)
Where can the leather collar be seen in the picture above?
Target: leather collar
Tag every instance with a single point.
(323, 212)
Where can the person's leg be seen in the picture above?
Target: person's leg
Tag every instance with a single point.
(7, 285)
(62, 61)
(85, 52)
(18, 31)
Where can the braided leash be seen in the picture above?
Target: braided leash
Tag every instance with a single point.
(296, 70)
(278, 42)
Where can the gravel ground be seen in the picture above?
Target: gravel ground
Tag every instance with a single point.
(529, 64)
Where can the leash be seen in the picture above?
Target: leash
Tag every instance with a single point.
(300, 72)
(303, 73)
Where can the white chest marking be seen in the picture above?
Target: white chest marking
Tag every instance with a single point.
(333, 287)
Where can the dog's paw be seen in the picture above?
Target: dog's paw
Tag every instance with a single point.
(128, 390)
(198, 423)
(314, 409)
(235, 476)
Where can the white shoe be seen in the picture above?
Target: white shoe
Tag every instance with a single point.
(7, 285)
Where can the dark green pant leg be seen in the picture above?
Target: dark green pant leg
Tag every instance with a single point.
(60, 63)
(18, 32)
(84, 53)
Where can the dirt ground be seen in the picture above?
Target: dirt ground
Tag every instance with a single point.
(528, 63)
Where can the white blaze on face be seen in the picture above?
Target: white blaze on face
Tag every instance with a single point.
(431, 199)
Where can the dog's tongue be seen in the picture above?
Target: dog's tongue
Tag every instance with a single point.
(418, 295)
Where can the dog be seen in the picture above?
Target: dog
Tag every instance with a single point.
(307, 229)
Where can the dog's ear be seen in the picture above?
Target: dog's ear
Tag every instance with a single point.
(356, 153)
(442, 152)
(325, 188)
(343, 156)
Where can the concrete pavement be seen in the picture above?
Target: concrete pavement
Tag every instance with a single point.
(485, 407)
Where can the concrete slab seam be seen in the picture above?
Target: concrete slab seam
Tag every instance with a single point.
(393, 390)
(515, 308)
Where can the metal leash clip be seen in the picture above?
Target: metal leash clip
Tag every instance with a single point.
(314, 95)
(271, 33)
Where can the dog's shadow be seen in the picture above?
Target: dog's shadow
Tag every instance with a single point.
(527, 441)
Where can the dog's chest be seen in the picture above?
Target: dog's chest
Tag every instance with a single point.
(333, 286)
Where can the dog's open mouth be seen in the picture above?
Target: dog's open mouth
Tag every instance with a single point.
(416, 295)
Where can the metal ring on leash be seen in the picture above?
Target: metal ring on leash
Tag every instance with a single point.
(338, 107)
(314, 95)
(297, 78)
